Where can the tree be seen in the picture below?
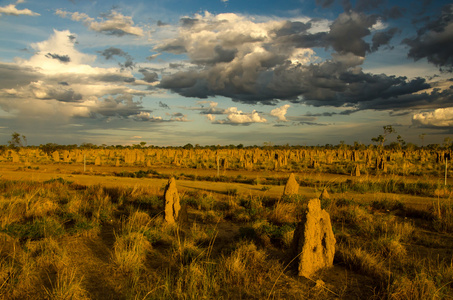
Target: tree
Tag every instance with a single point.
(16, 140)
(400, 140)
(188, 146)
(388, 129)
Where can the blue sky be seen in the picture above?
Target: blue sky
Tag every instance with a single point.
(225, 72)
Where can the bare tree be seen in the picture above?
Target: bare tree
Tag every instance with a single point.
(17, 141)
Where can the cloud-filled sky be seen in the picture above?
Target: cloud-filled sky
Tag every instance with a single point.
(211, 72)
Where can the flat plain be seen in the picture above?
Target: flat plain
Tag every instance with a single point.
(88, 223)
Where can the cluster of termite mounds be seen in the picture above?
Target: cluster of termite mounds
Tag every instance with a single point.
(313, 246)
(292, 159)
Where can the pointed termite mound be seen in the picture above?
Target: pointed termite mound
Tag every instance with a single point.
(171, 202)
(314, 240)
(56, 156)
(291, 187)
(356, 171)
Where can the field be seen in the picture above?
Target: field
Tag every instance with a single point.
(88, 223)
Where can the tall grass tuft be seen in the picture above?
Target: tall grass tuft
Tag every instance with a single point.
(129, 253)
(67, 285)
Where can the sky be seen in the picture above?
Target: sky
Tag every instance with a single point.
(221, 72)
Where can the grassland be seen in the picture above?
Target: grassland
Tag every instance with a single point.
(69, 231)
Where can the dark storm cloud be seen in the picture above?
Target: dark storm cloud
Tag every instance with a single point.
(383, 38)
(293, 28)
(424, 100)
(64, 95)
(188, 22)
(121, 106)
(366, 5)
(329, 84)
(346, 34)
(434, 41)
(62, 58)
(221, 55)
(268, 68)
(112, 51)
(12, 75)
(348, 30)
(399, 113)
(109, 53)
(113, 77)
(175, 65)
(72, 38)
(149, 76)
(394, 12)
(175, 48)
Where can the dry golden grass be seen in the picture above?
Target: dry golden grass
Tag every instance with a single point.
(129, 253)
(235, 243)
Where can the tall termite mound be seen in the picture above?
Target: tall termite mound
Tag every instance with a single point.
(314, 241)
(171, 202)
(291, 187)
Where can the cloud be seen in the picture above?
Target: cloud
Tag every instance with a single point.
(383, 38)
(434, 41)
(152, 57)
(58, 82)
(347, 33)
(62, 58)
(11, 10)
(233, 115)
(163, 105)
(237, 117)
(111, 23)
(178, 117)
(59, 55)
(439, 118)
(149, 76)
(251, 61)
(121, 106)
(41, 90)
(146, 117)
(13, 75)
(110, 52)
(280, 112)
(212, 109)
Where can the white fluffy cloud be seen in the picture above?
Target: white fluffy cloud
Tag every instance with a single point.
(58, 55)
(113, 23)
(60, 81)
(237, 117)
(442, 117)
(11, 10)
(280, 112)
(146, 116)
